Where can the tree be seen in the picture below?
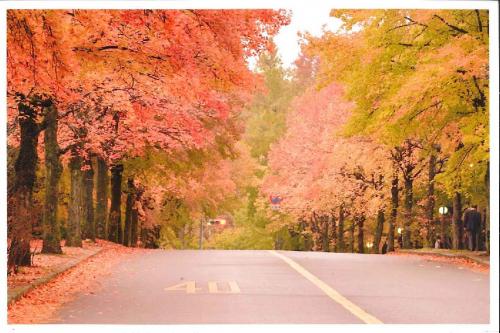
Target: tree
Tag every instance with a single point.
(53, 170)
(415, 75)
(126, 70)
(318, 171)
(21, 192)
(410, 166)
(102, 191)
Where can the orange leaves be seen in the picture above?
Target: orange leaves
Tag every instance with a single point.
(167, 73)
(458, 261)
(298, 162)
(41, 304)
(315, 168)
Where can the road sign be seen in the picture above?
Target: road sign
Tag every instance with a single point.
(275, 199)
(275, 207)
(275, 202)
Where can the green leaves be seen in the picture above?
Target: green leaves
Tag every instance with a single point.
(265, 118)
(419, 74)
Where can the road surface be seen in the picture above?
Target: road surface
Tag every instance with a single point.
(208, 287)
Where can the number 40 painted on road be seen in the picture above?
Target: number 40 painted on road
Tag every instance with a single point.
(213, 287)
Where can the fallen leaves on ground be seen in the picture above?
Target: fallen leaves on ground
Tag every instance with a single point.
(45, 264)
(461, 262)
(41, 304)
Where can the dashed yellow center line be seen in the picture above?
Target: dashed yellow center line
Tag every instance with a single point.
(330, 292)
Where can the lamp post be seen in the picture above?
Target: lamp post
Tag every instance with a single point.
(443, 210)
(202, 230)
(400, 237)
(369, 246)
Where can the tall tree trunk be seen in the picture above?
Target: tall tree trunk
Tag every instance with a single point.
(408, 211)
(326, 235)
(378, 231)
(316, 232)
(21, 202)
(334, 233)
(431, 202)
(115, 223)
(457, 222)
(443, 232)
(134, 237)
(53, 170)
(135, 217)
(487, 210)
(361, 232)
(394, 209)
(90, 227)
(480, 234)
(101, 213)
(340, 243)
(76, 207)
(483, 233)
(128, 212)
(352, 228)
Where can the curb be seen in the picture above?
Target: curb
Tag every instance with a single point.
(447, 255)
(15, 296)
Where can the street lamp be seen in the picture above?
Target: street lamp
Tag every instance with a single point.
(443, 210)
(400, 237)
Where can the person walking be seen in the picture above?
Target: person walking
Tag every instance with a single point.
(437, 244)
(472, 222)
(384, 247)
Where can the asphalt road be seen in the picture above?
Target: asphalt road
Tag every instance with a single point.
(205, 287)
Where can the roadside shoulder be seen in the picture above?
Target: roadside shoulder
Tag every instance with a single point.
(478, 261)
(54, 290)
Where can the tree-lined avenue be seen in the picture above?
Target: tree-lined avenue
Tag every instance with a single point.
(392, 289)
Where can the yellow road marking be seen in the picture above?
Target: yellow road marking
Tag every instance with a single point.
(330, 292)
(189, 287)
(235, 289)
(214, 289)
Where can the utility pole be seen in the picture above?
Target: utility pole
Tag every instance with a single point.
(201, 233)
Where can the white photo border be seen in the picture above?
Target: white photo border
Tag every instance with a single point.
(492, 6)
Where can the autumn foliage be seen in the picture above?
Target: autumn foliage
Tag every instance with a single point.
(108, 86)
(394, 126)
(137, 125)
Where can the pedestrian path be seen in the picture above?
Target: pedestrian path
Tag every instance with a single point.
(45, 268)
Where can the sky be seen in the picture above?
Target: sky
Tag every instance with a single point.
(310, 19)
